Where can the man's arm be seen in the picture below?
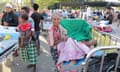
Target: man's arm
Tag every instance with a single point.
(3, 19)
(41, 17)
(33, 17)
(50, 38)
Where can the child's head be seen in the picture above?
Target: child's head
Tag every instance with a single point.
(23, 18)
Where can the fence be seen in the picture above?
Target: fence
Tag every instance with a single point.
(108, 44)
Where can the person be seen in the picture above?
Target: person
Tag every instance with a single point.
(63, 42)
(9, 18)
(44, 14)
(27, 42)
(56, 34)
(36, 18)
(89, 12)
(2, 14)
(118, 16)
(26, 10)
(16, 12)
(108, 15)
(64, 14)
(78, 42)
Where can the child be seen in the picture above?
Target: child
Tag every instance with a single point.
(27, 42)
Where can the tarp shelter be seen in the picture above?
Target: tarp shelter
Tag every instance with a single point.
(93, 4)
(102, 4)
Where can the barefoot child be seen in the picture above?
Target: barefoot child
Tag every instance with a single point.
(27, 42)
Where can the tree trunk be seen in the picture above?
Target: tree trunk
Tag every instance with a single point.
(32, 2)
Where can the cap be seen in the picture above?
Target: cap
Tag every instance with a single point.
(8, 5)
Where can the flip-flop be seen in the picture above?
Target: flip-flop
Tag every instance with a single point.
(29, 66)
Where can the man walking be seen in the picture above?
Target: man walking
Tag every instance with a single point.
(36, 18)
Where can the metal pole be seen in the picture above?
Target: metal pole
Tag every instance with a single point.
(32, 1)
(21, 4)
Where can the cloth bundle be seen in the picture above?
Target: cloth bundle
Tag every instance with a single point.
(77, 29)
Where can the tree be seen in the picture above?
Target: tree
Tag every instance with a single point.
(93, 0)
(45, 3)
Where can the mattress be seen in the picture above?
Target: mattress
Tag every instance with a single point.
(7, 45)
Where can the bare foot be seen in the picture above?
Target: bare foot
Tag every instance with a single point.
(30, 66)
(93, 42)
(15, 54)
(72, 62)
(34, 68)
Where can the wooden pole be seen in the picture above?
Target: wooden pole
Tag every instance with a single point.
(18, 6)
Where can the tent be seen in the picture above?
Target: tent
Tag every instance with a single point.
(102, 4)
(93, 4)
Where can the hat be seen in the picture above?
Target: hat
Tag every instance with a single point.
(8, 5)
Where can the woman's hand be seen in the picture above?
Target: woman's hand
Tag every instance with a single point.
(5, 23)
(65, 38)
(61, 40)
(90, 43)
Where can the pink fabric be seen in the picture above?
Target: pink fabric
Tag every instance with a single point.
(71, 50)
(105, 29)
(56, 34)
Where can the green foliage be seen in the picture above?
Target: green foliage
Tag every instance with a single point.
(45, 3)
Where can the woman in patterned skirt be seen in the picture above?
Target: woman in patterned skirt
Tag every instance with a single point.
(27, 42)
(56, 34)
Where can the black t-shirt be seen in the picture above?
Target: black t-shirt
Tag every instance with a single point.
(37, 17)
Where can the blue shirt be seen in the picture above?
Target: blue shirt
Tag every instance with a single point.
(30, 20)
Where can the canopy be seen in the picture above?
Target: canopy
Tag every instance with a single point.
(93, 4)
(102, 4)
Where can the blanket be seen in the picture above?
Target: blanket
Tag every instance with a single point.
(77, 29)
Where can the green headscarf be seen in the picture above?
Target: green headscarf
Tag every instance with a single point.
(77, 29)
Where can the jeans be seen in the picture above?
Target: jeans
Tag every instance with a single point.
(38, 34)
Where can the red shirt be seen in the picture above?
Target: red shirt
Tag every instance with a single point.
(25, 27)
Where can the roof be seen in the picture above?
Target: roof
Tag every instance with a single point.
(94, 4)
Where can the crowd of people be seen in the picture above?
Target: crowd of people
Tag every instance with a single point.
(29, 30)
(66, 44)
